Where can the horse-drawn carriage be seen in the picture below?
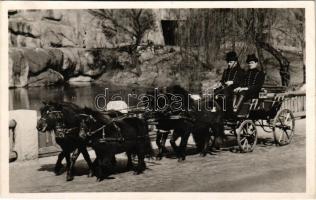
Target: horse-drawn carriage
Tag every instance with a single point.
(114, 132)
(266, 112)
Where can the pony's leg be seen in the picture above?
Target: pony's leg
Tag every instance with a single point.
(105, 166)
(87, 158)
(73, 160)
(100, 174)
(205, 145)
(69, 175)
(163, 141)
(113, 160)
(183, 145)
(129, 161)
(97, 163)
(141, 165)
(159, 145)
(218, 136)
(173, 139)
(58, 164)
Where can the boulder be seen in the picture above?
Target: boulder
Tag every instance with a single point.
(27, 28)
(23, 41)
(46, 78)
(124, 59)
(55, 15)
(26, 62)
(38, 59)
(70, 60)
(18, 68)
(50, 33)
(58, 35)
(80, 79)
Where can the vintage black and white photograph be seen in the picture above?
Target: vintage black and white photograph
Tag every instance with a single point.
(157, 100)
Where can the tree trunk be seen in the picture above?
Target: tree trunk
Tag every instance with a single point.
(260, 57)
(284, 63)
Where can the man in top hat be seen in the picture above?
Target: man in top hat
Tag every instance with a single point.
(251, 85)
(231, 79)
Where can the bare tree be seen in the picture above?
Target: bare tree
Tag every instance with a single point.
(132, 22)
(251, 28)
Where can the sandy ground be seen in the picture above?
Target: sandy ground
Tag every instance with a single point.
(267, 169)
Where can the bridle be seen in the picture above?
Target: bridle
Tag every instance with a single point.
(61, 131)
(44, 117)
(102, 128)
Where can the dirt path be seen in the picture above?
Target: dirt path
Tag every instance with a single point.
(267, 169)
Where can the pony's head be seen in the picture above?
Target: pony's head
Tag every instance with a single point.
(86, 123)
(90, 121)
(51, 116)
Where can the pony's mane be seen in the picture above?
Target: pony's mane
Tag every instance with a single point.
(99, 116)
(178, 90)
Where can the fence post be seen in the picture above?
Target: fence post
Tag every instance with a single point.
(26, 137)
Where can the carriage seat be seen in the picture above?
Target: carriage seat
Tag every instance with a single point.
(246, 107)
(260, 105)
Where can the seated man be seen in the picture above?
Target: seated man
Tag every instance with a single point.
(252, 84)
(231, 79)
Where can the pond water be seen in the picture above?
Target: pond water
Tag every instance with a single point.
(82, 95)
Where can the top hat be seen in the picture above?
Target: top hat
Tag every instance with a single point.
(231, 56)
(251, 57)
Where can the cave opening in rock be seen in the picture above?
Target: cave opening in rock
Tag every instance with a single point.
(169, 31)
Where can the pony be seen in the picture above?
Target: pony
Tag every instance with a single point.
(110, 136)
(177, 111)
(64, 120)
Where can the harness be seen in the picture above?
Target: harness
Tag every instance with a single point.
(104, 139)
(60, 130)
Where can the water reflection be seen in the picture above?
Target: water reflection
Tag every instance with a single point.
(83, 95)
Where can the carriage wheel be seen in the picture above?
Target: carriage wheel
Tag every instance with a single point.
(283, 127)
(247, 136)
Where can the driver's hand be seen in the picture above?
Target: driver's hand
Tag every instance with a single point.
(229, 82)
(217, 85)
(237, 89)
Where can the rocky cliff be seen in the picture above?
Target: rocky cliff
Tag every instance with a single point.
(49, 47)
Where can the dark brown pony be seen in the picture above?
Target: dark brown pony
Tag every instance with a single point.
(110, 136)
(64, 120)
(177, 111)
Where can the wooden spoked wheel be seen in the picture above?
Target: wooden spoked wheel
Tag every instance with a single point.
(283, 127)
(247, 135)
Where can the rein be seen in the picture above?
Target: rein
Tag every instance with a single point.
(90, 133)
(62, 132)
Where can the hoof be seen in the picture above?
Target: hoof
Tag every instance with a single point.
(137, 173)
(158, 157)
(58, 171)
(70, 178)
(202, 154)
(91, 174)
(181, 159)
